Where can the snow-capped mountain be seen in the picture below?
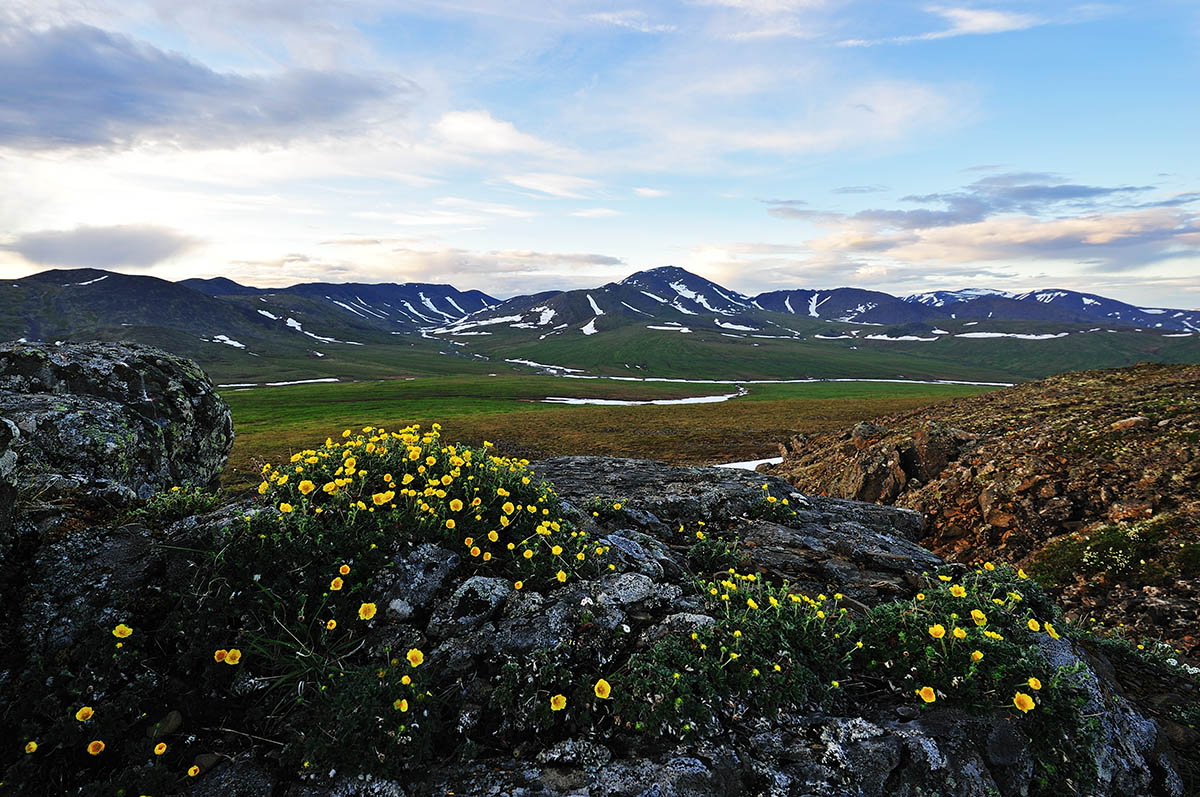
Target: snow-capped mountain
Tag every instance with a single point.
(943, 298)
(846, 305)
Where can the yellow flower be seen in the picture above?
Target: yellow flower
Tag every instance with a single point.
(1023, 702)
(944, 578)
(219, 655)
(406, 680)
(122, 631)
(834, 684)
(285, 508)
(193, 771)
(366, 611)
(332, 624)
(959, 633)
(602, 689)
(450, 524)
(750, 602)
(518, 584)
(306, 487)
(1034, 625)
(561, 575)
(937, 631)
(616, 506)
(160, 748)
(456, 505)
(31, 747)
(920, 596)
(988, 566)
(379, 499)
(400, 705)
(558, 703)
(528, 554)
(958, 590)
(508, 508)
(976, 655)
(95, 748)
(1050, 630)
(415, 657)
(263, 487)
(234, 656)
(1021, 574)
(1035, 684)
(344, 570)
(336, 584)
(927, 694)
(979, 617)
(84, 714)
(475, 551)
(330, 487)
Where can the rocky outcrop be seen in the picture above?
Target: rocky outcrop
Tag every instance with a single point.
(106, 422)
(1002, 475)
(653, 521)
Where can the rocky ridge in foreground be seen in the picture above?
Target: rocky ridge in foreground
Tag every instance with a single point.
(681, 670)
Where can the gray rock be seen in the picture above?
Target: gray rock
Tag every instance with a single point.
(110, 421)
(418, 576)
(477, 600)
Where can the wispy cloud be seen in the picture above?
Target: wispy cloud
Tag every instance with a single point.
(632, 20)
(961, 22)
(596, 213)
(563, 186)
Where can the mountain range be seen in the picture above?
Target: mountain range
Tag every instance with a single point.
(662, 322)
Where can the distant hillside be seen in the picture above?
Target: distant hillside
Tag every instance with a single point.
(663, 322)
(1090, 480)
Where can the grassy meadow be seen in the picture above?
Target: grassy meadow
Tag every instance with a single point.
(507, 410)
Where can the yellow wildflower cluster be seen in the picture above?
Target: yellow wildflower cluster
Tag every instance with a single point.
(408, 482)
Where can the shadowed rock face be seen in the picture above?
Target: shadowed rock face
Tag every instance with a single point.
(107, 421)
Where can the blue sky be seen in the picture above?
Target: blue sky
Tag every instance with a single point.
(513, 146)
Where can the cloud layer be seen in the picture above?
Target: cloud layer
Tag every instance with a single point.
(80, 86)
(130, 246)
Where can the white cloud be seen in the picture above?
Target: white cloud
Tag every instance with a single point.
(632, 19)
(596, 213)
(649, 192)
(479, 132)
(962, 22)
(564, 186)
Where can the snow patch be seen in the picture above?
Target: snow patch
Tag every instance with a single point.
(228, 341)
(595, 307)
(269, 315)
(589, 328)
(670, 328)
(750, 464)
(93, 282)
(738, 327)
(1011, 335)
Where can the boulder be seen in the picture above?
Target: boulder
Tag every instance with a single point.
(111, 422)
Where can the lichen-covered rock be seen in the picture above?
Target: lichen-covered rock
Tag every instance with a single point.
(110, 421)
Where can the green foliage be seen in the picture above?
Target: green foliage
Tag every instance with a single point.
(164, 508)
(1129, 551)
(769, 649)
(973, 638)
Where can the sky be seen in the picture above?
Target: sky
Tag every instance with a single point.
(514, 146)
